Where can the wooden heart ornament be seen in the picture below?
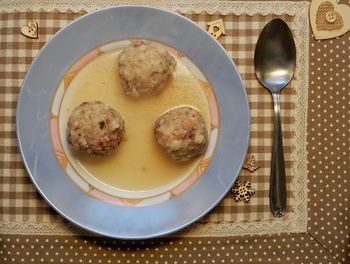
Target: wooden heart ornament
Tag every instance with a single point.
(329, 19)
(30, 30)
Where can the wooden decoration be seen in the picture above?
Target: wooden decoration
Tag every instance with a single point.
(216, 28)
(250, 163)
(329, 19)
(30, 30)
(242, 191)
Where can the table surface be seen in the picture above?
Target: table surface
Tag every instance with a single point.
(327, 238)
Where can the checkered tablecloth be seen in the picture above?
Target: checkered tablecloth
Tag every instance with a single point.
(23, 210)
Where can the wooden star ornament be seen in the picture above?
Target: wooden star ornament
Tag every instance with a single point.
(242, 191)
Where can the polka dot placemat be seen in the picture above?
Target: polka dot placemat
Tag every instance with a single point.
(301, 249)
(329, 144)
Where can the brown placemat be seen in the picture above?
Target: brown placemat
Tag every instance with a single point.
(23, 211)
(296, 249)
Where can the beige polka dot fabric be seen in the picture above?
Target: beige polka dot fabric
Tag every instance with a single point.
(301, 249)
(329, 144)
(327, 239)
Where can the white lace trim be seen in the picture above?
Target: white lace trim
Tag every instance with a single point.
(223, 7)
(58, 228)
(297, 221)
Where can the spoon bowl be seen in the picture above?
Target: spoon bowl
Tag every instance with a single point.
(275, 61)
(275, 56)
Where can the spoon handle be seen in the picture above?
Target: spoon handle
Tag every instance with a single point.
(278, 193)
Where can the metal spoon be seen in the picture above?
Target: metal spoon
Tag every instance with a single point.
(274, 60)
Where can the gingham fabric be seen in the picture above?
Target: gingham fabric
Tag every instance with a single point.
(19, 201)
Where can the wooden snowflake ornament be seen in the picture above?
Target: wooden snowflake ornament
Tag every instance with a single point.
(242, 191)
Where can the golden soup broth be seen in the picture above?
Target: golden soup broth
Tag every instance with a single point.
(139, 164)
